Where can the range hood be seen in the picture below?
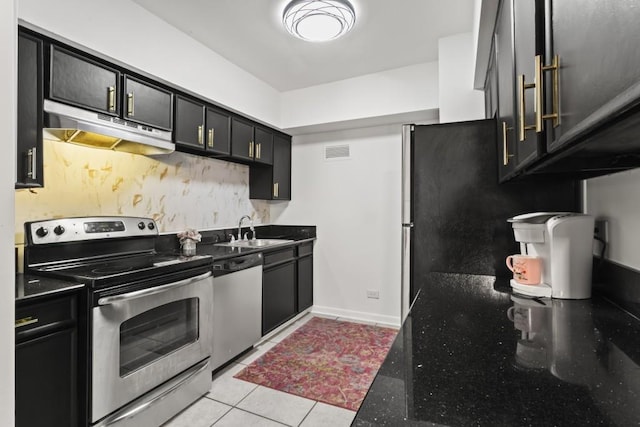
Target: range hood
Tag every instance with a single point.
(91, 129)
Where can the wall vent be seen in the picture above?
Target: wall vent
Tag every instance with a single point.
(337, 152)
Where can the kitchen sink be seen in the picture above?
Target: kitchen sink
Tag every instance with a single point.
(256, 243)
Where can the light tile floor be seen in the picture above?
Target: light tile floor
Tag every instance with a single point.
(232, 402)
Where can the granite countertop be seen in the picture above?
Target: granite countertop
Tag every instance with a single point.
(471, 353)
(29, 286)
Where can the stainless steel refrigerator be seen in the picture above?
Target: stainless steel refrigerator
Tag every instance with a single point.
(454, 212)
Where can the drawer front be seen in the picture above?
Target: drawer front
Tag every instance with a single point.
(279, 256)
(41, 315)
(305, 249)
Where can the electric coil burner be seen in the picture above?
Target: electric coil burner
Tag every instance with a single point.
(148, 314)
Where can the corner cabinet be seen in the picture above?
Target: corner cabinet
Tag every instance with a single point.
(29, 165)
(574, 86)
(273, 182)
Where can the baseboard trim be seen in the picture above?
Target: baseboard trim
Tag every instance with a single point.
(357, 315)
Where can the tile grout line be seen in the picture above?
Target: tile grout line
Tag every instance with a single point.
(315, 402)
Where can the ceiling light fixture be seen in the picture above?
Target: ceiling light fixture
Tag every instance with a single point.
(318, 20)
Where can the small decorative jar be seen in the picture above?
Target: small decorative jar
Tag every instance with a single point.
(188, 239)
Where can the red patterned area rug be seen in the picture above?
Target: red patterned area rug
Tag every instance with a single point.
(326, 360)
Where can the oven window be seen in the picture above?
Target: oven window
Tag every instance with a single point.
(155, 333)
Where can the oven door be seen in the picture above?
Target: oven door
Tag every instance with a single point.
(142, 338)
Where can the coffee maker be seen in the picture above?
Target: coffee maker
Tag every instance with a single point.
(564, 242)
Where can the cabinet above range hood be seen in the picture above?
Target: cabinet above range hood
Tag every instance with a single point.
(75, 125)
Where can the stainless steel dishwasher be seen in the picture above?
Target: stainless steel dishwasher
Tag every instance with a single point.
(237, 306)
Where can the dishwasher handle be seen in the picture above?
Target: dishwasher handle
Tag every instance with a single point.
(238, 263)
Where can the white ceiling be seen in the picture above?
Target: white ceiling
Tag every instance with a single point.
(249, 33)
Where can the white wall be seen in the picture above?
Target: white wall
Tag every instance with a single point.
(458, 100)
(355, 204)
(402, 90)
(7, 178)
(617, 198)
(128, 33)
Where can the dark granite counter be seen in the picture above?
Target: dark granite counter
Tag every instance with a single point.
(168, 243)
(29, 286)
(472, 354)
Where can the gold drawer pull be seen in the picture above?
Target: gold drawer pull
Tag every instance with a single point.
(250, 148)
(537, 85)
(130, 104)
(505, 147)
(200, 135)
(112, 98)
(210, 137)
(26, 321)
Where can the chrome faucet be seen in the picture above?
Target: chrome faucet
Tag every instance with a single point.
(253, 233)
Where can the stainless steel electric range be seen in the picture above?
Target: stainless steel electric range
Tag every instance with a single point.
(148, 315)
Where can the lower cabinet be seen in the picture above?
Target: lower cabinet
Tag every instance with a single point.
(287, 284)
(46, 363)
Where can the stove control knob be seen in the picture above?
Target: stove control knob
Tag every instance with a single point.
(151, 226)
(141, 225)
(58, 230)
(41, 232)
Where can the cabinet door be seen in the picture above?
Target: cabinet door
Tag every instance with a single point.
(278, 295)
(263, 146)
(147, 104)
(504, 62)
(281, 168)
(305, 283)
(189, 124)
(84, 83)
(491, 88)
(29, 170)
(597, 45)
(218, 132)
(46, 381)
(529, 143)
(242, 142)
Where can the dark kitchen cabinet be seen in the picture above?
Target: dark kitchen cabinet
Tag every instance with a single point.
(278, 293)
(82, 82)
(147, 104)
(305, 276)
(597, 44)
(504, 53)
(189, 124)
(29, 165)
(46, 363)
(273, 182)
(251, 143)
(201, 128)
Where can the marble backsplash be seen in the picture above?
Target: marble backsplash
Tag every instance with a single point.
(177, 190)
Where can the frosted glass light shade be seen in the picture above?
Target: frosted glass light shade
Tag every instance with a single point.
(318, 20)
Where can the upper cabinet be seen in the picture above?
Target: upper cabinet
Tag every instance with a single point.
(574, 85)
(201, 129)
(251, 143)
(147, 104)
(273, 182)
(29, 167)
(82, 82)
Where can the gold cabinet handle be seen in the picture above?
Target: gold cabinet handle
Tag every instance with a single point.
(130, 104)
(275, 189)
(26, 321)
(538, 87)
(258, 150)
(200, 135)
(32, 159)
(210, 137)
(250, 148)
(505, 146)
(112, 98)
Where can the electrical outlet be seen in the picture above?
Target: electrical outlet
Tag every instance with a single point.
(601, 230)
(373, 294)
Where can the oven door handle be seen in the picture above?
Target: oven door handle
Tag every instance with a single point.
(151, 291)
